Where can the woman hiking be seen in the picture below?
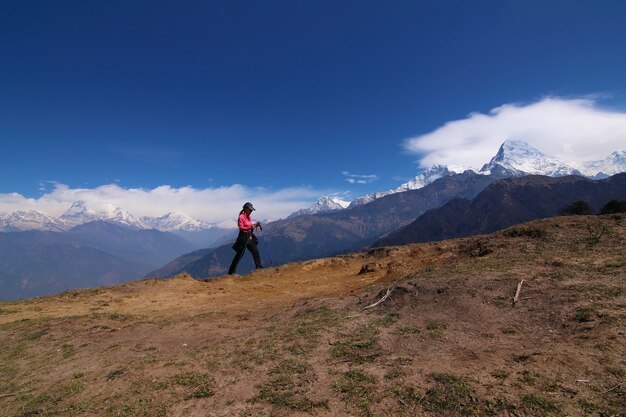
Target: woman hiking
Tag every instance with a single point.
(246, 239)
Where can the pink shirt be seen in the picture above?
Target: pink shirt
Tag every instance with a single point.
(245, 223)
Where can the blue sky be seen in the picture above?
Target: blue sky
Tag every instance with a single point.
(280, 101)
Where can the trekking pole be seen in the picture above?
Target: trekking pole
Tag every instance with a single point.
(266, 246)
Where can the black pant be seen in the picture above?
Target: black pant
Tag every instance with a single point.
(255, 254)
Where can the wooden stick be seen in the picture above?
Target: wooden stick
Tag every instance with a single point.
(611, 389)
(519, 289)
(14, 394)
(381, 300)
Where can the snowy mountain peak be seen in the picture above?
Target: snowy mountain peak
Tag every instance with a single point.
(78, 214)
(420, 181)
(121, 216)
(425, 178)
(174, 221)
(517, 158)
(323, 204)
(28, 220)
(613, 164)
(78, 207)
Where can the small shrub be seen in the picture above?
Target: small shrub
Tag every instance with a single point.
(594, 233)
(68, 350)
(508, 330)
(583, 315)
(577, 208)
(614, 206)
(476, 249)
(525, 231)
(522, 358)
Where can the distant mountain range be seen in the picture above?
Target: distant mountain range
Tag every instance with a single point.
(324, 234)
(515, 158)
(322, 205)
(453, 206)
(79, 214)
(374, 218)
(83, 248)
(505, 203)
(97, 253)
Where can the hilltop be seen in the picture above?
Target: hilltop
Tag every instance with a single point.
(299, 340)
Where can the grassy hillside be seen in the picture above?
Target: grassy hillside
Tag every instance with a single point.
(299, 340)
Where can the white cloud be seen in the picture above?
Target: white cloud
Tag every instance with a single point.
(572, 130)
(215, 205)
(359, 179)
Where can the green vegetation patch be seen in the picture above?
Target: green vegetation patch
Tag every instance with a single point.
(288, 386)
(55, 400)
(407, 396)
(451, 394)
(356, 389)
(358, 348)
(67, 350)
(407, 330)
(144, 406)
(539, 406)
(303, 333)
(198, 384)
(436, 329)
(389, 319)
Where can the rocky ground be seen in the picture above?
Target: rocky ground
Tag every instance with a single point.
(417, 330)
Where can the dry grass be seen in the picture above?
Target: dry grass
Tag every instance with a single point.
(297, 341)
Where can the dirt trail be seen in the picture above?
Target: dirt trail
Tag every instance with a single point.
(258, 291)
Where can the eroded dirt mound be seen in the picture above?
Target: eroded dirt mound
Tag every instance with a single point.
(414, 330)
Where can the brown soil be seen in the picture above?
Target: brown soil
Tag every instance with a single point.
(301, 340)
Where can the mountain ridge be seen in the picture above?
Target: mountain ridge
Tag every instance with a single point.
(507, 202)
(325, 234)
(35, 262)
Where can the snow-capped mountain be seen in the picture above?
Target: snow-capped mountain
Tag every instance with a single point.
(516, 158)
(323, 204)
(420, 181)
(175, 221)
(425, 178)
(28, 220)
(613, 164)
(79, 214)
(121, 216)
